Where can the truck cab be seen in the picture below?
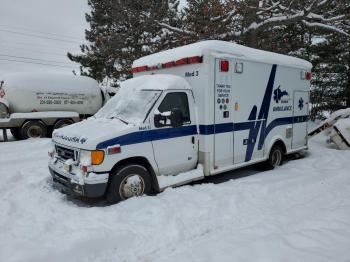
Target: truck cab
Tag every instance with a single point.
(149, 128)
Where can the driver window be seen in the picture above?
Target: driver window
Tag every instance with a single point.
(176, 100)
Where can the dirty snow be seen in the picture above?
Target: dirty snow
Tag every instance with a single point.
(298, 212)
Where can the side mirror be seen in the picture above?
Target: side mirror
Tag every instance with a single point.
(158, 119)
(176, 118)
(171, 118)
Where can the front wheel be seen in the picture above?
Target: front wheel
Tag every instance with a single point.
(128, 181)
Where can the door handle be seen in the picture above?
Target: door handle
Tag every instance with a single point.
(192, 139)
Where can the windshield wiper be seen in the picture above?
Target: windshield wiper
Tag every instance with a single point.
(121, 120)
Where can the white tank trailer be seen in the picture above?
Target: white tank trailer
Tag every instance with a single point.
(33, 105)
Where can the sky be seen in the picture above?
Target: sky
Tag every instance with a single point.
(37, 34)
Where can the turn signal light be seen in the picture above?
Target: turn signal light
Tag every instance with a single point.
(97, 157)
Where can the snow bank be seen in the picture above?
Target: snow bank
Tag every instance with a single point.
(343, 125)
(165, 181)
(239, 51)
(330, 121)
(342, 113)
(298, 212)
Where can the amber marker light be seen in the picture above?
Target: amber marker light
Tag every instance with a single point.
(97, 157)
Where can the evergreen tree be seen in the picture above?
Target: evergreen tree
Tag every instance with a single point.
(120, 32)
(205, 19)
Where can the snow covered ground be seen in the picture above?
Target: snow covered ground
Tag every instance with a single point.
(298, 212)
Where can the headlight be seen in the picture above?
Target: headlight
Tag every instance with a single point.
(94, 157)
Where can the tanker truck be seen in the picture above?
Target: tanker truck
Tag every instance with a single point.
(33, 105)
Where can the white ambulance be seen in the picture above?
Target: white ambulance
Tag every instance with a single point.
(189, 112)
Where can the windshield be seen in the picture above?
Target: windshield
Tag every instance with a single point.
(129, 105)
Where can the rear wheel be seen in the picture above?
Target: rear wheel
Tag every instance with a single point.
(16, 133)
(33, 129)
(128, 181)
(275, 159)
(62, 123)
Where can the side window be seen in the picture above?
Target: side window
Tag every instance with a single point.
(176, 100)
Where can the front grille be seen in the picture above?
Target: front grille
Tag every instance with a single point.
(65, 153)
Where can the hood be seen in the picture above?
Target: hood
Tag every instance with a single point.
(88, 133)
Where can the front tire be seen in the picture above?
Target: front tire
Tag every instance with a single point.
(33, 129)
(128, 181)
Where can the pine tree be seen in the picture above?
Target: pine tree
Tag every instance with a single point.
(121, 31)
(206, 19)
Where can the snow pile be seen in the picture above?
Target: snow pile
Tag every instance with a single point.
(329, 122)
(343, 126)
(165, 181)
(298, 212)
(342, 113)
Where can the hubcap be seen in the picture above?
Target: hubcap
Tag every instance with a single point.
(276, 158)
(132, 185)
(34, 131)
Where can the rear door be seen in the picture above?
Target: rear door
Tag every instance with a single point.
(300, 116)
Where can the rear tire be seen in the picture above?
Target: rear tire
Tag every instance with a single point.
(128, 181)
(33, 129)
(16, 133)
(62, 123)
(275, 158)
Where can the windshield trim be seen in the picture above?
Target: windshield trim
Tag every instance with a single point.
(150, 109)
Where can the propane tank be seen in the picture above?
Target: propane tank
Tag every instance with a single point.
(23, 93)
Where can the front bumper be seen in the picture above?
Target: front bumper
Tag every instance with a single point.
(91, 185)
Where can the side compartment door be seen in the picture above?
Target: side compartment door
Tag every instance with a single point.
(300, 116)
(175, 148)
(223, 122)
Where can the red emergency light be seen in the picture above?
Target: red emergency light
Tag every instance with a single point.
(168, 64)
(182, 61)
(139, 69)
(224, 65)
(308, 75)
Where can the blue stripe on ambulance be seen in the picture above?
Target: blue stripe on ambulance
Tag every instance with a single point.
(166, 133)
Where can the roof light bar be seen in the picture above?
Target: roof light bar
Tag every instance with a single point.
(182, 61)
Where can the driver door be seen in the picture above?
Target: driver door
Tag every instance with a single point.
(175, 148)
